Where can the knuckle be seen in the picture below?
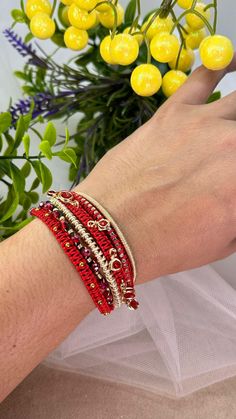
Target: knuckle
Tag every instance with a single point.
(168, 111)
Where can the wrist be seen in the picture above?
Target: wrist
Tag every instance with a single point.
(131, 223)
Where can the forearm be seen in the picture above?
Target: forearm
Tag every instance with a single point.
(42, 300)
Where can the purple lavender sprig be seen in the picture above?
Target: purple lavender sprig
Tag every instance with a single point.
(45, 104)
(25, 50)
(41, 106)
(17, 42)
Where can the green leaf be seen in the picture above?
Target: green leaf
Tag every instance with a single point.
(34, 196)
(46, 177)
(215, 96)
(28, 118)
(10, 141)
(43, 174)
(21, 215)
(26, 143)
(130, 12)
(28, 37)
(10, 204)
(45, 147)
(19, 16)
(17, 226)
(36, 167)
(20, 131)
(87, 57)
(26, 169)
(32, 105)
(50, 134)
(29, 90)
(1, 143)
(17, 178)
(68, 155)
(67, 137)
(5, 121)
(21, 75)
(72, 172)
(58, 39)
(35, 184)
(5, 168)
(26, 203)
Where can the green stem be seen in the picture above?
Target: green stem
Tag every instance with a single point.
(179, 28)
(178, 57)
(101, 3)
(157, 12)
(113, 6)
(215, 16)
(209, 6)
(54, 6)
(192, 10)
(136, 20)
(165, 8)
(116, 20)
(36, 132)
(138, 7)
(20, 157)
(22, 6)
(149, 57)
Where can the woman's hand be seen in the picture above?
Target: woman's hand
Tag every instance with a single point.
(171, 185)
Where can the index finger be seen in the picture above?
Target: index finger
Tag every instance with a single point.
(200, 84)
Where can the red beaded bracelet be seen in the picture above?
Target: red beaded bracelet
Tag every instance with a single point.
(100, 226)
(95, 246)
(69, 247)
(104, 232)
(104, 225)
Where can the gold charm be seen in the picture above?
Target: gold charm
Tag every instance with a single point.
(64, 196)
(115, 263)
(102, 224)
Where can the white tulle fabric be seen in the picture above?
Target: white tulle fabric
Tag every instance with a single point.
(182, 338)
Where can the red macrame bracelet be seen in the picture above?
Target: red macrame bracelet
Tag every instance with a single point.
(85, 236)
(75, 256)
(111, 233)
(95, 245)
(102, 241)
(106, 238)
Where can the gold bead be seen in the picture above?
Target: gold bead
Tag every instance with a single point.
(92, 285)
(55, 229)
(81, 264)
(67, 244)
(100, 302)
(36, 209)
(46, 215)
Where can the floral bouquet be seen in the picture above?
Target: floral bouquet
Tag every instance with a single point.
(122, 68)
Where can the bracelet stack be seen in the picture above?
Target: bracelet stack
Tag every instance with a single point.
(95, 245)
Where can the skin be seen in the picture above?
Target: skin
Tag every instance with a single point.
(171, 187)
